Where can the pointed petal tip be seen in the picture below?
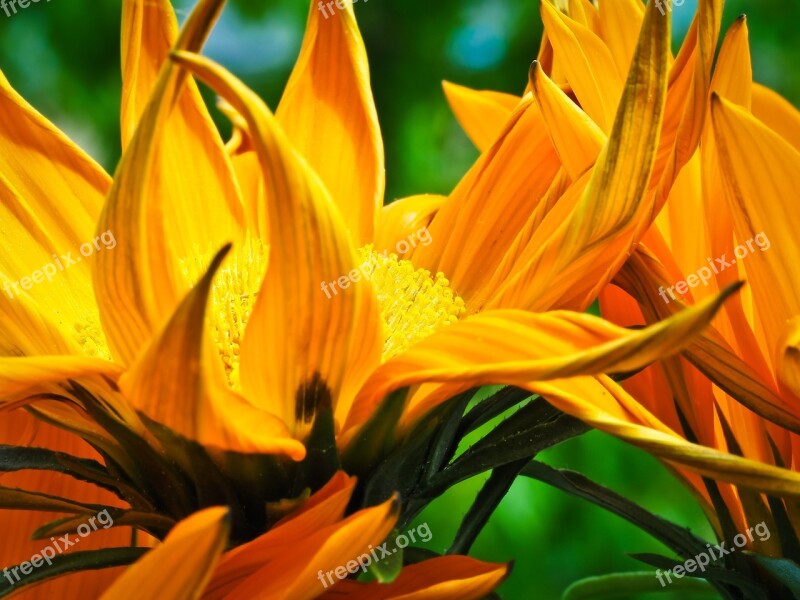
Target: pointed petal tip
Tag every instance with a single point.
(716, 103)
(535, 66)
(509, 569)
(220, 256)
(732, 288)
(394, 509)
(726, 293)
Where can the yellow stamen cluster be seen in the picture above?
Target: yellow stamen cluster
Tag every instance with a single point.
(414, 304)
(91, 339)
(232, 298)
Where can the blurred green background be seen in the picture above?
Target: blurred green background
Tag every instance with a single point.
(63, 56)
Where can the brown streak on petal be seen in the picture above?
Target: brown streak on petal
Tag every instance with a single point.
(311, 396)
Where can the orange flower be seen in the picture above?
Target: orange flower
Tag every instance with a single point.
(578, 85)
(292, 560)
(199, 363)
(729, 218)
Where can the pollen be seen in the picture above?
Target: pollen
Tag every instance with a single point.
(413, 302)
(90, 337)
(232, 297)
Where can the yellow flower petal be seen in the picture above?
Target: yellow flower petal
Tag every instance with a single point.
(324, 509)
(503, 187)
(20, 375)
(733, 74)
(149, 32)
(173, 195)
(402, 219)
(788, 366)
(757, 163)
(329, 116)
(577, 139)
(586, 238)
(36, 158)
(517, 347)
(587, 63)
(595, 401)
(42, 226)
(28, 332)
(749, 382)
(777, 113)
(481, 114)
(733, 80)
(620, 23)
(689, 81)
(301, 349)
(295, 574)
(560, 198)
(177, 382)
(248, 174)
(583, 12)
(180, 568)
(440, 578)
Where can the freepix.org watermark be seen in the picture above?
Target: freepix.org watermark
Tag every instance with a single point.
(340, 4)
(366, 559)
(660, 4)
(65, 261)
(12, 4)
(47, 554)
(704, 559)
(364, 270)
(704, 274)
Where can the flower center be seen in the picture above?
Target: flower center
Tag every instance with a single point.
(413, 303)
(89, 335)
(232, 297)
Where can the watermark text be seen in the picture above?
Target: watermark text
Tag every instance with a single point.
(366, 559)
(704, 274)
(47, 554)
(715, 553)
(59, 263)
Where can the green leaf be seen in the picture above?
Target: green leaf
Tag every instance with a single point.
(790, 546)
(377, 435)
(15, 498)
(63, 564)
(211, 487)
(726, 522)
(721, 577)
(419, 455)
(155, 524)
(388, 568)
(155, 475)
(492, 407)
(401, 471)
(19, 458)
(535, 427)
(446, 439)
(626, 585)
(782, 569)
(487, 501)
(678, 539)
(738, 563)
(322, 455)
